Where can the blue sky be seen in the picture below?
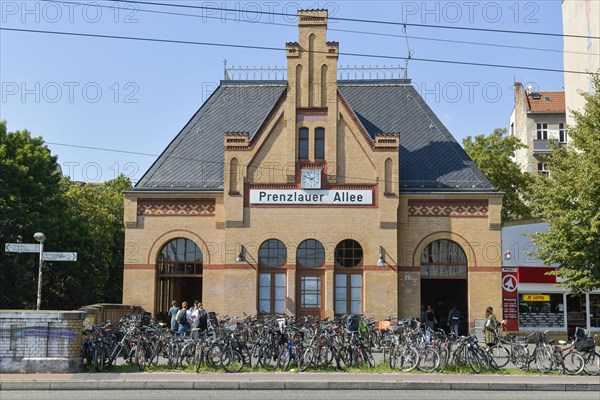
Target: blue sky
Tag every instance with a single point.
(136, 96)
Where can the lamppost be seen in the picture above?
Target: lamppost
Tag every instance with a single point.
(40, 237)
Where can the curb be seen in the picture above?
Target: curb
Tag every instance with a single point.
(294, 385)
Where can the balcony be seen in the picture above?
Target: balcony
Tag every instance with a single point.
(542, 146)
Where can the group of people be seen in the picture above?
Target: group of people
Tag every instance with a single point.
(430, 321)
(490, 327)
(184, 319)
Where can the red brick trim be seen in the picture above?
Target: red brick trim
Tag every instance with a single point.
(311, 111)
(409, 269)
(176, 207)
(140, 266)
(382, 269)
(207, 255)
(448, 235)
(448, 208)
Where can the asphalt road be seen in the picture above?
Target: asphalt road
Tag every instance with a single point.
(289, 395)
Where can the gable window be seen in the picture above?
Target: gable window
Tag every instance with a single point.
(562, 133)
(542, 131)
(319, 143)
(303, 144)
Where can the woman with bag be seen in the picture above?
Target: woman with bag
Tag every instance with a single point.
(490, 327)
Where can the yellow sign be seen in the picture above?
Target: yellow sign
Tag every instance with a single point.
(536, 297)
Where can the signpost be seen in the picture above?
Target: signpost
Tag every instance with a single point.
(51, 256)
(44, 256)
(21, 248)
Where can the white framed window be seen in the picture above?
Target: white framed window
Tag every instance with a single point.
(542, 169)
(562, 133)
(542, 130)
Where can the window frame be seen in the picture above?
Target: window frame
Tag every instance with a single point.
(272, 292)
(303, 143)
(316, 250)
(319, 143)
(542, 130)
(280, 246)
(188, 267)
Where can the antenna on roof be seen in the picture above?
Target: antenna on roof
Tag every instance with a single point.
(225, 72)
(408, 51)
(529, 88)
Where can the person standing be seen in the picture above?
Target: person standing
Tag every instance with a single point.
(453, 320)
(430, 320)
(490, 326)
(183, 319)
(173, 314)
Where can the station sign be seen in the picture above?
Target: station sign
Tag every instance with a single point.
(311, 197)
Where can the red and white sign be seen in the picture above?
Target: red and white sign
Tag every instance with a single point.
(510, 299)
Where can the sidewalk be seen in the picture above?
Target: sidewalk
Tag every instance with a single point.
(295, 381)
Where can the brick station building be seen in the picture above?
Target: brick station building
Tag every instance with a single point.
(315, 195)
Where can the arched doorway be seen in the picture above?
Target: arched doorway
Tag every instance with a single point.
(444, 281)
(272, 278)
(179, 274)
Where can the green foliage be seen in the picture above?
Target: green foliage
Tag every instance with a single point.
(570, 201)
(75, 217)
(494, 156)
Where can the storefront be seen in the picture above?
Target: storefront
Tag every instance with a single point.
(537, 302)
(317, 194)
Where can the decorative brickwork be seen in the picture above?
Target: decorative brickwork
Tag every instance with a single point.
(448, 208)
(166, 207)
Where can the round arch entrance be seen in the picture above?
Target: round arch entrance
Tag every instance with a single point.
(444, 281)
(179, 275)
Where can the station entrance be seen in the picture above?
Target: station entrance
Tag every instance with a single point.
(444, 282)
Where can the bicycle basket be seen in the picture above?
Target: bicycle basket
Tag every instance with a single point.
(585, 344)
(230, 326)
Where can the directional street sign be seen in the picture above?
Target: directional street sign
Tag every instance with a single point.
(22, 247)
(63, 256)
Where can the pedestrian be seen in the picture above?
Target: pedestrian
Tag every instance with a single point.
(202, 318)
(490, 326)
(194, 313)
(183, 319)
(430, 320)
(173, 314)
(453, 320)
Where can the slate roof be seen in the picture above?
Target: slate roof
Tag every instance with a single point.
(194, 159)
(430, 157)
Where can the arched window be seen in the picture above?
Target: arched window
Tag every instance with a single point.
(180, 257)
(319, 143)
(443, 258)
(348, 253)
(299, 85)
(389, 185)
(303, 144)
(272, 253)
(233, 172)
(324, 85)
(272, 285)
(310, 254)
(311, 70)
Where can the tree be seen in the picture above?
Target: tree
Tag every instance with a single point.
(75, 217)
(494, 156)
(30, 201)
(569, 199)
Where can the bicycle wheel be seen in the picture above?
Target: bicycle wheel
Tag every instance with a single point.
(324, 357)
(173, 354)
(407, 359)
(98, 359)
(592, 363)
(139, 355)
(232, 360)
(474, 360)
(186, 357)
(543, 358)
(306, 359)
(500, 355)
(284, 358)
(520, 357)
(198, 356)
(214, 354)
(573, 363)
(429, 359)
(268, 356)
(444, 357)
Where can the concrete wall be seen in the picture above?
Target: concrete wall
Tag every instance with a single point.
(580, 17)
(40, 341)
